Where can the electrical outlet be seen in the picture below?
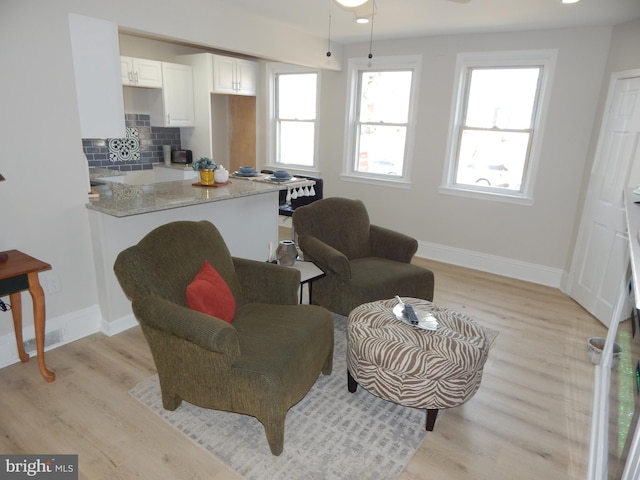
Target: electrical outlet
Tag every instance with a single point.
(53, 282)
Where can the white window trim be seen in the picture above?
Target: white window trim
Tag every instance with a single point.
(271, 70)
(355, 65)
(545, 58)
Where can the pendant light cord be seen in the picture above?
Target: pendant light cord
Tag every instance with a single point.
(373, 9)
(329, 38)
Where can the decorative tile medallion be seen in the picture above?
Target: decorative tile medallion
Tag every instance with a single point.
(125, 149)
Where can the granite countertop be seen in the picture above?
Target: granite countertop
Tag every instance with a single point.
(174, 166)
(123, 200)
(95, 172)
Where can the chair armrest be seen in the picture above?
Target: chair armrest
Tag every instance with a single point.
(265, 282)
(390, 244)
(326, 257)
(206, 331)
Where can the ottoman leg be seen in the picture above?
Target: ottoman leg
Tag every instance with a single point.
(352, 385)
(432, 414)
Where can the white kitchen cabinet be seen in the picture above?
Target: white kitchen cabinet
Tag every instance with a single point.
(234, 75)
(169, 106)
(199, 139)
(225, 123)
(177, 95)
(140, 72)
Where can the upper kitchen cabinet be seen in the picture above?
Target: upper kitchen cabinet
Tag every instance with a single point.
(177, 95)
(140, 72)
(171, 105)
(95, 52)
(225, 126)
(234, 75)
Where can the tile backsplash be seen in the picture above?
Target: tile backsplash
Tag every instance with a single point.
(139, 150)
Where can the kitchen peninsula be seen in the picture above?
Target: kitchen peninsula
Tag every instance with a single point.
(245, 212)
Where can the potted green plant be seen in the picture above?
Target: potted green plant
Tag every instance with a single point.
(205, 166)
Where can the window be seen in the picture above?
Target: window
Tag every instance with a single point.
(293, 135)
(496, 129)
(381, 118)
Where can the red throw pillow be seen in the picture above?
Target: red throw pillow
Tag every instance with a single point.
(209, 293)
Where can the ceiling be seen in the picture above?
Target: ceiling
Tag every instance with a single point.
(410, 18)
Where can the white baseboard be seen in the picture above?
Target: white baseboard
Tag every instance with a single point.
(508, 267)
(120, 325)
(62, 330)
(59, 331)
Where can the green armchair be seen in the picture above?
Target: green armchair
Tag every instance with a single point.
(260, 364)
(362, 262)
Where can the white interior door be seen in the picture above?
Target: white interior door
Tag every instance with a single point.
(599, 269)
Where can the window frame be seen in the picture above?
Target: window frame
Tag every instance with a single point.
(355, 67)
(466, 62)
(273, 69)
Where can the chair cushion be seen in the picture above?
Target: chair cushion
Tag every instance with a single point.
(209, 293)
(271, 335)
(372, 278)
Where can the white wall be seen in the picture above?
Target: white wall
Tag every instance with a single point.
(45, 190)
(624, 53)
(532, 242)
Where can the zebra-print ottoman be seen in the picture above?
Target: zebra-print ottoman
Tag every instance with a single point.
(414, 367)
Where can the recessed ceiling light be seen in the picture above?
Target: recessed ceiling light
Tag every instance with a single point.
(570, 1)
(362, 20)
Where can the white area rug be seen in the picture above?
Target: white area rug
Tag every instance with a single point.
(330, 434)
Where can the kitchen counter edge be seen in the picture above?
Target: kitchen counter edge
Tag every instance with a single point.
(123, 200)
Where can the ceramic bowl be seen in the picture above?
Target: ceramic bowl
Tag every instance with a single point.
(247, 170)
(281, 174)
(594, 351)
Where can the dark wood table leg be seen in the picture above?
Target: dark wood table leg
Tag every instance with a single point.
(352, 385)
(16, 312)
(37, 295)
(432, 414)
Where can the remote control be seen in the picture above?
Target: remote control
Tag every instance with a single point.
(410, 314)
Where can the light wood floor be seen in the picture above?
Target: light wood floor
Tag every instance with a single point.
(529, 420)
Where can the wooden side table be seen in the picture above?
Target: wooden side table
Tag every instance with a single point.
(20, 272)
